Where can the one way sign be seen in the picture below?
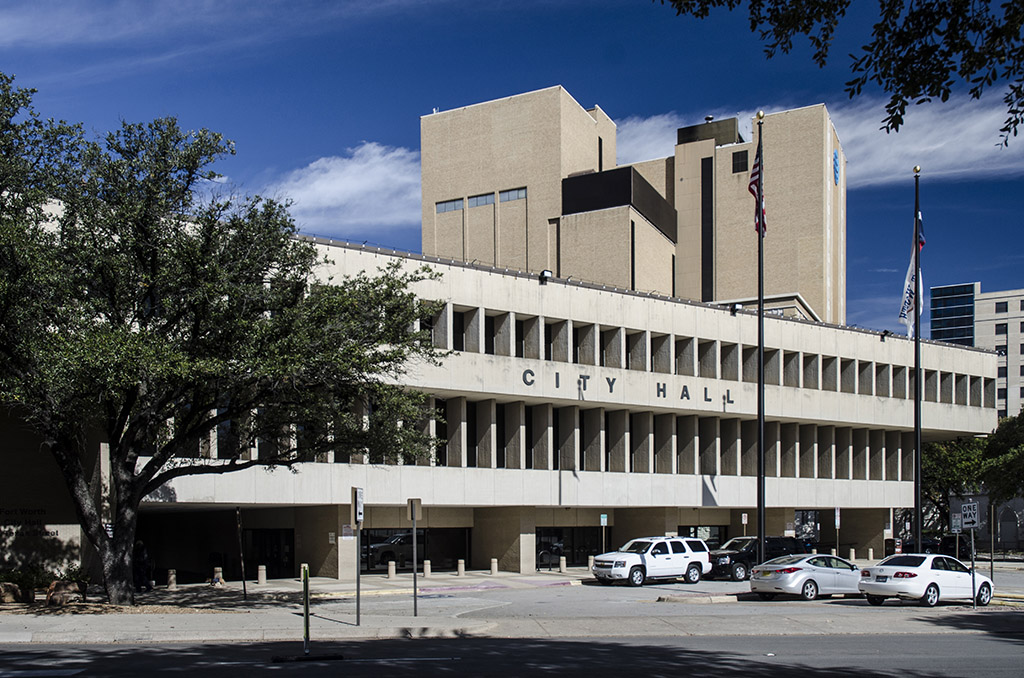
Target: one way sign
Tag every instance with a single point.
(970, 515)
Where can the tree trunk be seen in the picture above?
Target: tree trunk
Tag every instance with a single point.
(116, 558)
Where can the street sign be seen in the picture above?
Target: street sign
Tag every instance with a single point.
(969, 513)
(837, 517)
(415, 509)
(743, 518)
(357, 505)
(955, 523)
(604, 520)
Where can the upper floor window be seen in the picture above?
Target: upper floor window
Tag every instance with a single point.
(480, 200)
(449, 206)
(739, 162)
(1001, 307)
(1000, 328)
(513, 194)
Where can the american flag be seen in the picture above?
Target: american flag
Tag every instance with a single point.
(756, 188)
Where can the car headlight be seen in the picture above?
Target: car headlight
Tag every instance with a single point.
(620, 563)
(723, 560)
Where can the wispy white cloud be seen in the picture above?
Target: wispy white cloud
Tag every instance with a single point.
(370, 186)
(951, 140)
(58, 23)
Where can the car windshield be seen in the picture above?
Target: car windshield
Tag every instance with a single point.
(903, 561)
(785, 560)
(739, 543)
(636, 547)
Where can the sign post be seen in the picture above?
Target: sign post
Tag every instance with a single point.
(837, 531)
(956, 526)
(604, 526)
(969, 518)
(415, 513)
(357, 520)
(743, 519)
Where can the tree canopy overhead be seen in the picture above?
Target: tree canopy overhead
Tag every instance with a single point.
(148, 317)
(919, 50)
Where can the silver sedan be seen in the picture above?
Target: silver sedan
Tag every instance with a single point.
(807, 575)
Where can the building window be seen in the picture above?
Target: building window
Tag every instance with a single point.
(1022, 370)
(1022, 304)
(1022, 327)
(1000, 328)
(1022, 349)
(480, 200)
(449, 206)
(1001, 349)
(1001, 307)
(1001, 414)
(1000, 394)
(739, 162)
(514, 194)
(1022, 391)
(1001, 372)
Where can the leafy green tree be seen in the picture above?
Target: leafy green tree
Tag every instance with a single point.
(140, 318)
(951, 468)
(1004, 457)
(919, 49)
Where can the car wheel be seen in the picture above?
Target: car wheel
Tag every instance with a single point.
(739, 572)
(692, 574)
(809, 591)
(636, 576)
(875, 600)
(766, 596)
(984, 595)
(931, 596)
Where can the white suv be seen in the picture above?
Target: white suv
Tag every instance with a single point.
(654, 558)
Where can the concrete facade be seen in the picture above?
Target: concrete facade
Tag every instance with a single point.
(692, 237)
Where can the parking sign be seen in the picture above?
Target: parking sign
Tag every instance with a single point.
(969, 515)
(956, 523)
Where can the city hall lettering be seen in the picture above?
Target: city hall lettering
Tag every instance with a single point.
(607, 385)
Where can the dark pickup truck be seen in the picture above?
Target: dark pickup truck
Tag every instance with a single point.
(739, 554)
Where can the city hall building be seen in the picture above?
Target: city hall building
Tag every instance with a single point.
(602, 380)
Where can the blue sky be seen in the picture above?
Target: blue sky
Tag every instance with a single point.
(323, 100)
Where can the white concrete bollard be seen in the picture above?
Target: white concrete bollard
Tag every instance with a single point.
(426, 568)
(561, 564)
(218, 576)
(391, 570)
(833, 552)
(871, 553)
(460, 570)
(590, 562)
(853, 554)
(261, 574)
(814, 550)
(172, 580)
(494, 566)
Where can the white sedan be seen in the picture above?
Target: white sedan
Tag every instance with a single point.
(807, 575)
(925, 577)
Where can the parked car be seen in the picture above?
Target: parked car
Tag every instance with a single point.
(946, 544)
(397, 547)
(925, 577)
(807, 575)
(654, 558)
(739, 554)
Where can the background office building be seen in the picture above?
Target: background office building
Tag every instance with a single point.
(963, 314)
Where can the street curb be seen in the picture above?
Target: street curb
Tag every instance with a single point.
(699, 599)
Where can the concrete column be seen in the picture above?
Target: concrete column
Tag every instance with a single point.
(443, 328)
(486, 434)
(892, 455)
(748, 448)
(313, 543)
(637, 350)
(808, 450)
(789, 449)
(665, 443)
(876, 455)
(709, 442)
(772, 448)
(613, 347)
(617, 440)
(515, 435)
(844, 452)
(907, 457)
(456, 420)
(592, 425)
(474, 330)
(641, 431)
(508, 534)
(533, 341)
(826, 452)
(504, 334)
(568, 443)
(687, 444)
(586, 349)
(561, 338)
(729, 447)
(543, 435)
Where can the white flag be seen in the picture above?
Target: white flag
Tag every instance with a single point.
(912, 292)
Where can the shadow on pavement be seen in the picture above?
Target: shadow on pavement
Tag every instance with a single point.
(426, 657)
(1001, 623)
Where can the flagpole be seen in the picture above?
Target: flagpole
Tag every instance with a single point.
(918, 515)
(759, 220)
